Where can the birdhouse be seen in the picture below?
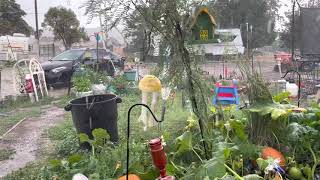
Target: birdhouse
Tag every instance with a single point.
(203, 26)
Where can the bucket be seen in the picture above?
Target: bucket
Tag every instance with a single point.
(97, 111)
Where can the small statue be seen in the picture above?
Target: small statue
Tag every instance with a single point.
(149, 84)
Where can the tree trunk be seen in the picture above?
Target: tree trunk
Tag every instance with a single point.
(191, 85)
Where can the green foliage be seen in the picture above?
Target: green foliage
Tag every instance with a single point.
(6, 154)
(11, 18)
(65, 25)
(282, 97)
(81, 83)
(213, 168)
(100, 137)
(30, 172)
(95, 77)
(120, 84)
(64, 138)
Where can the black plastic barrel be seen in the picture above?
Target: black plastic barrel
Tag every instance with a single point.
(98, 111)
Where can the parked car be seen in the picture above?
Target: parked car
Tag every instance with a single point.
(59, 69)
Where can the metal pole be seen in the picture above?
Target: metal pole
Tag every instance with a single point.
(251, 38)
(97, 38)
(247, 41)
(0, 85)
(37, 28)
(293, 30)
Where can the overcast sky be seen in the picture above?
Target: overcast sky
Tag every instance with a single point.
(44, 5)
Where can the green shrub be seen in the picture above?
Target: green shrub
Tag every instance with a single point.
(65, 138)
(81, 83)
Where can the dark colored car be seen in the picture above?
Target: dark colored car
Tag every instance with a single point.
(59, 69)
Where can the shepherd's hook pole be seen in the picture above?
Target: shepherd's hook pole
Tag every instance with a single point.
(128, 130)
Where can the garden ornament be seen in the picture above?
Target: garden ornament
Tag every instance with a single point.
(149, 84)
(269, 152)
(79, 176)
(274, 168)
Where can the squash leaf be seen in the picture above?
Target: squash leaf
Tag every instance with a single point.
(74, 158)
(83, 138)
(55, 163)
(252, 177)
(184, 142)
(100, 136)
(276, 113)
(213, 168)
(239, 129)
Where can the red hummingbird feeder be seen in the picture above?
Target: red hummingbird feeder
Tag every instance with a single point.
(159, 158)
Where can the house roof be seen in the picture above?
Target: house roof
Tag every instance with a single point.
(203, 10)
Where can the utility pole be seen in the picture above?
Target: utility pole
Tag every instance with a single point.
(37, 28)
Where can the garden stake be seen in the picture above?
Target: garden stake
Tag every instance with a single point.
(158, 154)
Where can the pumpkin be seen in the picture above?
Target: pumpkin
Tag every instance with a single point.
(274, 154)
(131, 177)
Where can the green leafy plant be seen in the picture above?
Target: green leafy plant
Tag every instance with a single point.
(100, 137)
(81, 83)
(282, 97)
(6, 154)
(304, 139)
(119, 83)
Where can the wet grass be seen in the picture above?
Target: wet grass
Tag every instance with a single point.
(12, 111)
(6, 154)
(17, 115)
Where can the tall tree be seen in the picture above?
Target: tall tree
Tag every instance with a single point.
(140, 34)
(11, 20)
(287, 33)
(261, 14)
(65, 25)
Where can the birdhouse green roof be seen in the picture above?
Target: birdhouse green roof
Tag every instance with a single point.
(203, 26)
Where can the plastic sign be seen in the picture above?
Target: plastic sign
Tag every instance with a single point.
(99, 36)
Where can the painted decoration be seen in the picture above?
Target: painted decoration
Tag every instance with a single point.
(203, 25)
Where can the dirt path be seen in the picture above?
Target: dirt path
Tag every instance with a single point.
(27, 138)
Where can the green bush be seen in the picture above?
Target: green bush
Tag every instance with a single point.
(81, 83)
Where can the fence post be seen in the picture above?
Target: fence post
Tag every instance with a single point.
(53, 50)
